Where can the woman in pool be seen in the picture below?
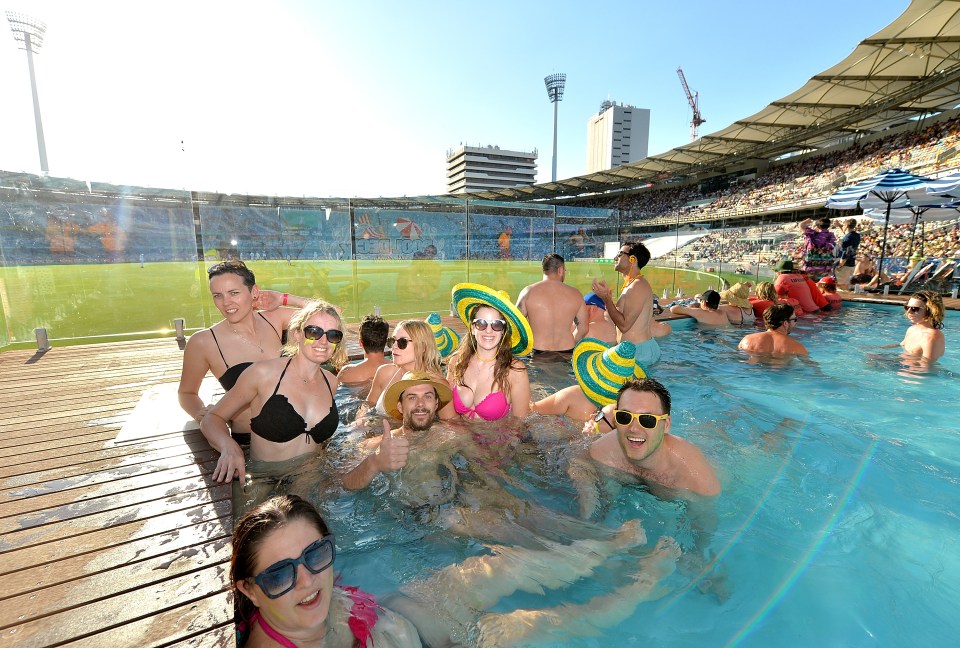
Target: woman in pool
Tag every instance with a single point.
(488, 381)
(924, 338)
(244, 336)
(280, 604)
(294, 411)
(413, 348)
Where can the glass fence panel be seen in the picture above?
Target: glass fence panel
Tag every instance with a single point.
(583, 238)
(409, 257)
(86, 267)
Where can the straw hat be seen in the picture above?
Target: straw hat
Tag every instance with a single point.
(737, 295)
(392, 397)
(467, 296)
(602, 369)
(446, 338)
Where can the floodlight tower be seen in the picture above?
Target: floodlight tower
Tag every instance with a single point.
(555, 84)
(29, 33)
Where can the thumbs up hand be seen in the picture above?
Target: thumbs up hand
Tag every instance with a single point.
(392, 452)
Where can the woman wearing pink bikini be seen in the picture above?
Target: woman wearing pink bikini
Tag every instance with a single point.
(280, 604)
(488, 380)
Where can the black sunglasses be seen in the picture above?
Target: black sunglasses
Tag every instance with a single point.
(912, 309)
(646, 421)
(400, 342)
(311, 332)
(281, 577)
(497, 325)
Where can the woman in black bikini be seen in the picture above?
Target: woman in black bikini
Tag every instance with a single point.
(291, 400)
(243, 337)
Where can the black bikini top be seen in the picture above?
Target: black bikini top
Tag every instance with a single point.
(279, 422)
(230, 377)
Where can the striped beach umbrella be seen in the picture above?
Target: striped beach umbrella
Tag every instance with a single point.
(886, 190)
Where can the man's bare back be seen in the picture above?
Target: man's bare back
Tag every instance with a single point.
(553, 309)
(772, 342)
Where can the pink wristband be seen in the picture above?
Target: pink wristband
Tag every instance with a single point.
(285, 295)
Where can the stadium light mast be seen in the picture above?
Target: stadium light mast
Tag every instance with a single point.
(555, 84)
(29, 33)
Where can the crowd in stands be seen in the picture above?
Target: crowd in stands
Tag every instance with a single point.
(813, 177)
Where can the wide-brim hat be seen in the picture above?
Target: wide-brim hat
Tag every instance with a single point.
(467, 296)
(602, 369)
(446, 338)
(392, 398)
(738, 294)
(784, 265)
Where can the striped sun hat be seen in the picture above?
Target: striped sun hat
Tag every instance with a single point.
(447, 339)
(602, 369)
(467, 296)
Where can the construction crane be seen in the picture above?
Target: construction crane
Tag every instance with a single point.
(693, 99)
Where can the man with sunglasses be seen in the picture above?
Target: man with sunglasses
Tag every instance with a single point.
(556, 311)
(780, 321)
(639, 449)
(632, 312)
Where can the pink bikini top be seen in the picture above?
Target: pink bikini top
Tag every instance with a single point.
(494, 406)
(363, 616)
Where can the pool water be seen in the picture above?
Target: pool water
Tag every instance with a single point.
(838, 523)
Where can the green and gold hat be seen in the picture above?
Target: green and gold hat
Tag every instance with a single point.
(446, 338)
(601, 369)
(467, 296)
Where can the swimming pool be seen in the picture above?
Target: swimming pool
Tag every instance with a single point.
(838, 521)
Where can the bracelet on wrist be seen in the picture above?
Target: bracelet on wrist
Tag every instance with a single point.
(286, 296)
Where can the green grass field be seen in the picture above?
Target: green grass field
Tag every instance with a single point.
(85, 303)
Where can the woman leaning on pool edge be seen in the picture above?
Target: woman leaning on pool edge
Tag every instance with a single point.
(245, 335)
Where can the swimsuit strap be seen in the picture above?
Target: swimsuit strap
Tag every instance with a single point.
(217, 342)
(277, 388)
(270, 632)
(271, 326)
(326, 382)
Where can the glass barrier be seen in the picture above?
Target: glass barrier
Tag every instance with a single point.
(91, 262)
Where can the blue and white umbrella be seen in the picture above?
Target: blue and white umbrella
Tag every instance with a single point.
(918, 215)
(938, 191)
(887, 189)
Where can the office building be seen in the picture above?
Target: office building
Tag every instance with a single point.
(474, 168)
(618, 134)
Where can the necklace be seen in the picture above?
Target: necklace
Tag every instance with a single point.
(477, 356)
(241, 336)
(630, 280)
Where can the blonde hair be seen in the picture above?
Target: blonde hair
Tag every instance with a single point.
(425, 355)
(299, 321)
(765, 290)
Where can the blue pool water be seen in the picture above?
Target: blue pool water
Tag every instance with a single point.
(838, 523)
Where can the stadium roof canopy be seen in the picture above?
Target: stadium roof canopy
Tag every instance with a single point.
(909, 69)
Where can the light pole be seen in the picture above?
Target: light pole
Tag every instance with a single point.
(29, 32)
(555, 84)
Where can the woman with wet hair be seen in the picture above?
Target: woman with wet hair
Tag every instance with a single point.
(253, 326)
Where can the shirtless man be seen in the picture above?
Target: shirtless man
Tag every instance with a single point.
(632, 313)
(373, 339)
(639, 449)
(556, 311)
(780, 321)
(708, 311)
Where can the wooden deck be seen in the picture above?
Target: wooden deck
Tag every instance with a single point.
(111, 532)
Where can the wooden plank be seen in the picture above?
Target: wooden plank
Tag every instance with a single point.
(213, 517)
(188, 591)
(104, 584)
(56, 529)
(184, 625)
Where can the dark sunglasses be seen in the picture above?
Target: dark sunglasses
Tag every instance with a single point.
(646, 421)
(792, 319)
(496, 325)
(400, 342)
(912, 309)
(281, 577)
(226, 265)
(334, 336)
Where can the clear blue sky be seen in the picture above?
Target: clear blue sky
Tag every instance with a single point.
(365, 98)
